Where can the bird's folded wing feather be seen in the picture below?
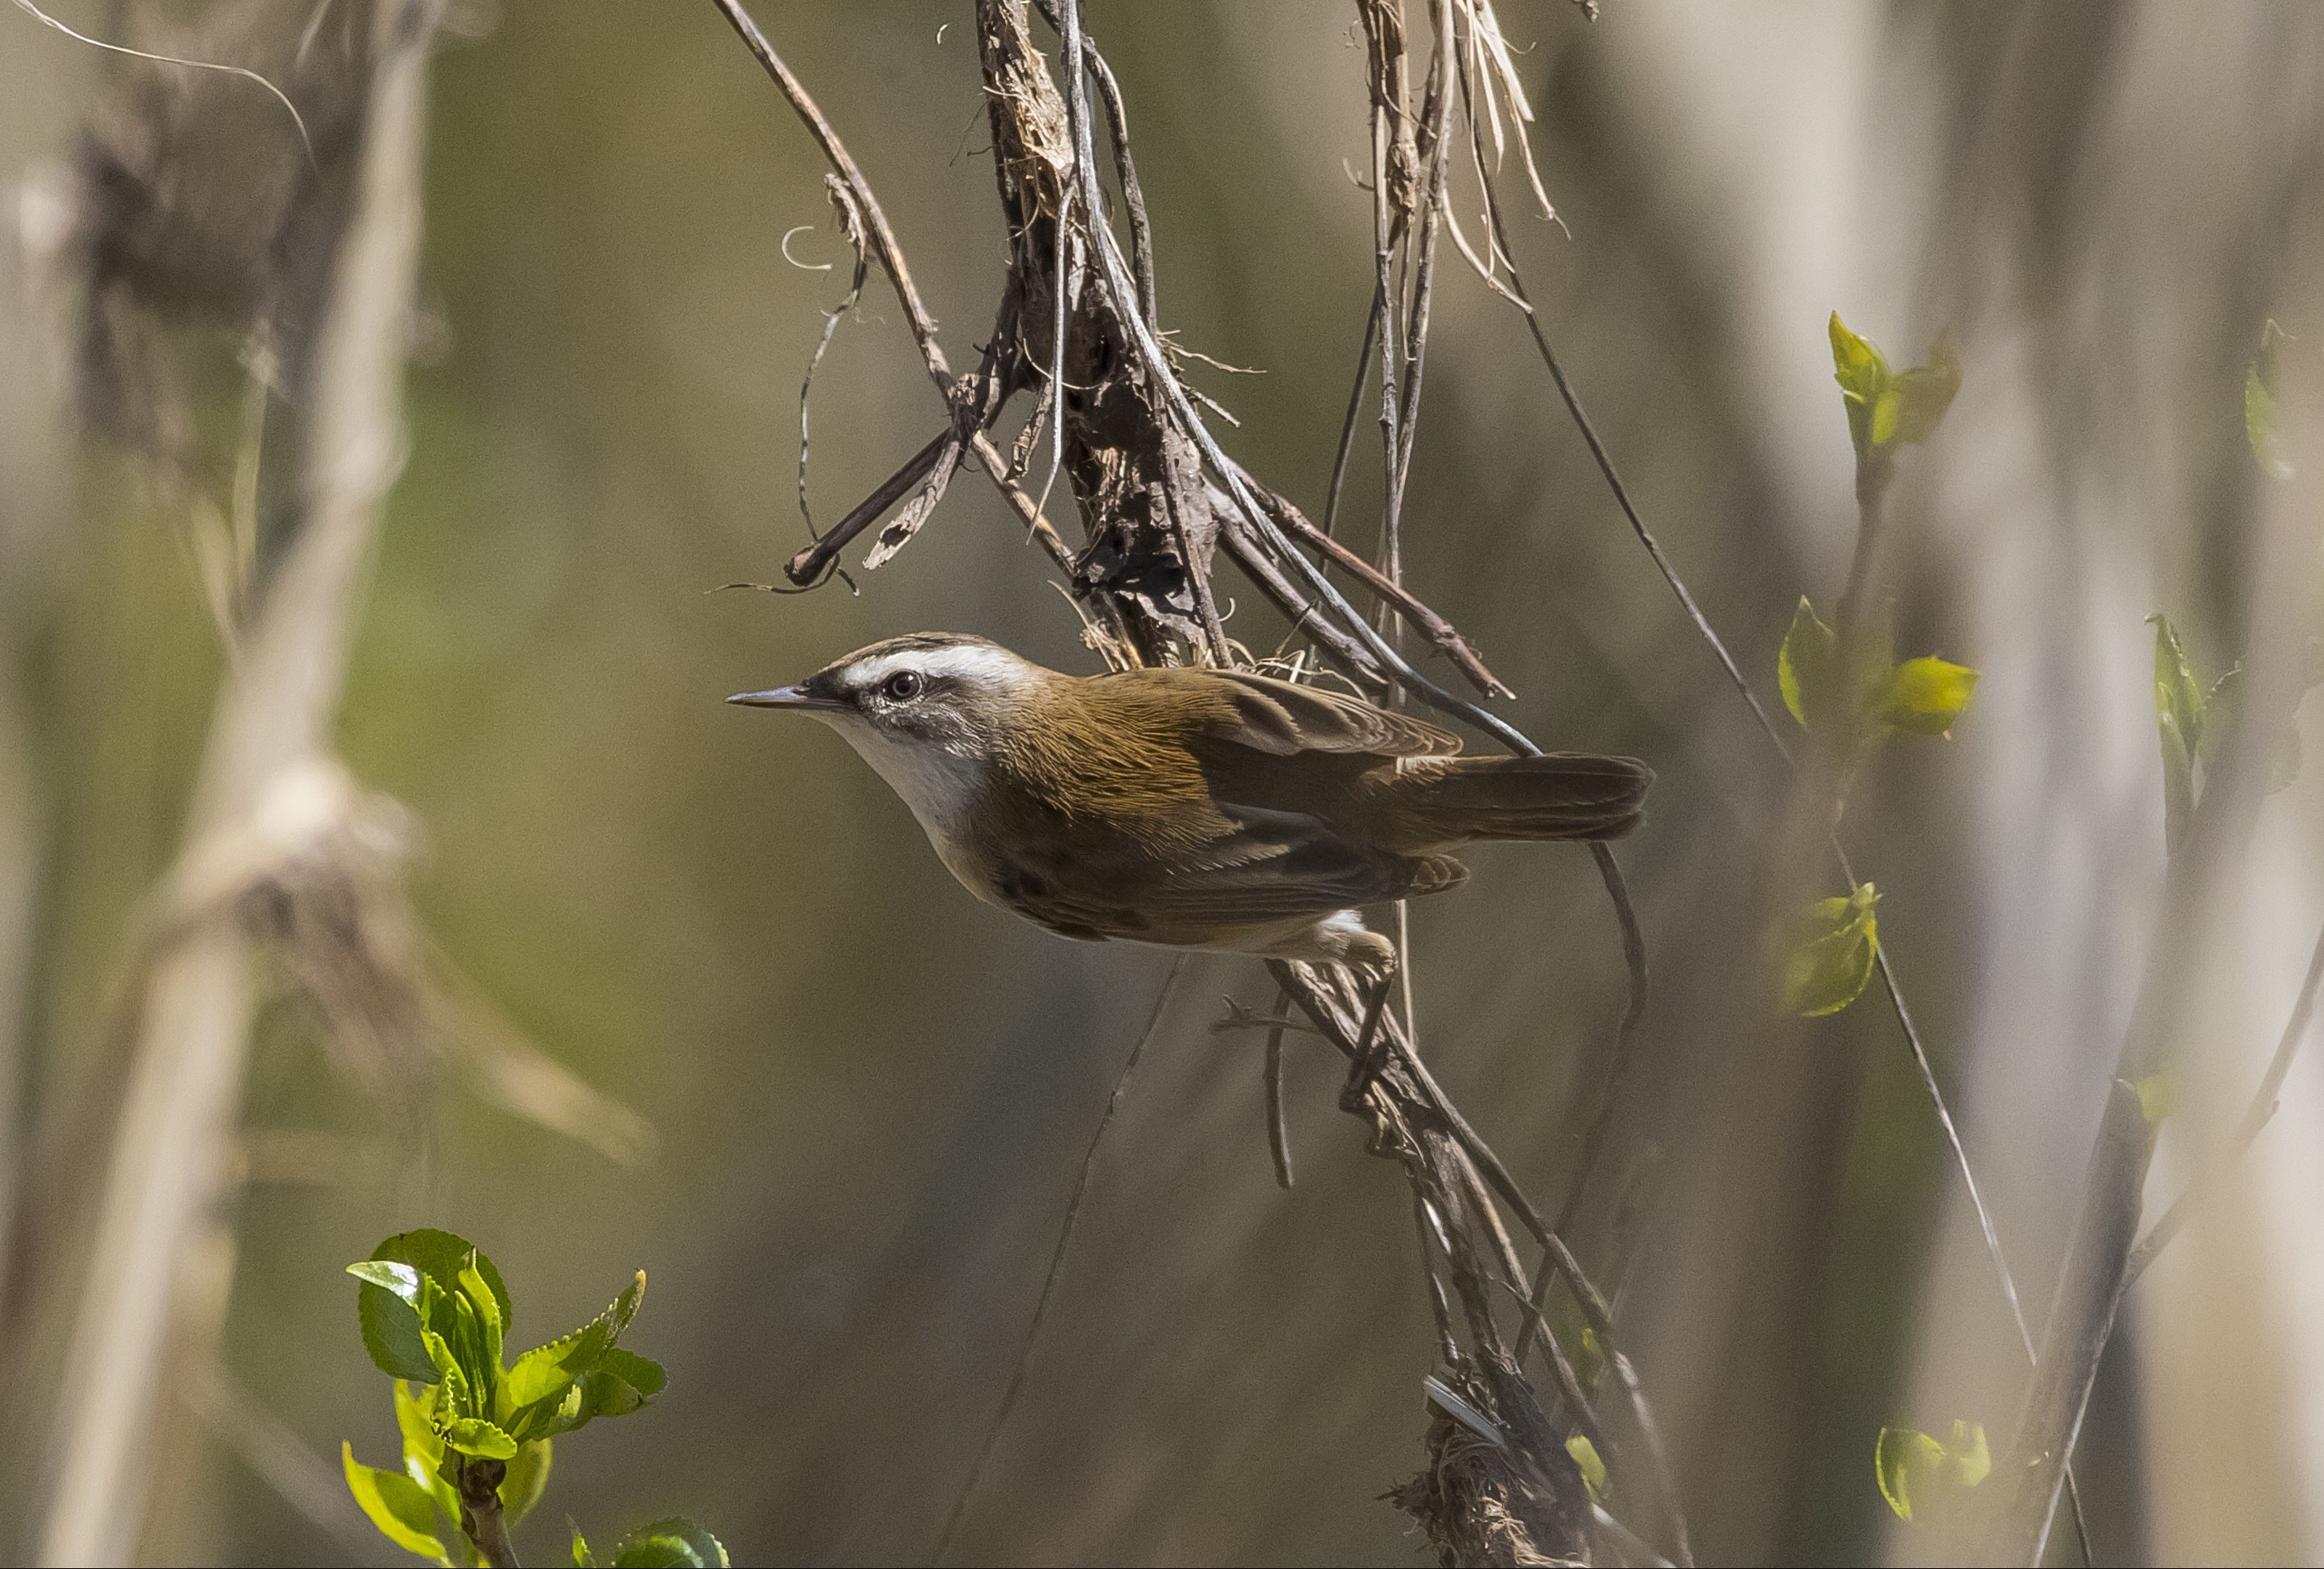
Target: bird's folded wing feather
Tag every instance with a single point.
(1283, 719)
(1269, 867)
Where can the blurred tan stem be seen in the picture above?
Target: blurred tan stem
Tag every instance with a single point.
(275, 713)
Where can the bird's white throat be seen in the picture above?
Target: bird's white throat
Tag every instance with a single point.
(937, 783)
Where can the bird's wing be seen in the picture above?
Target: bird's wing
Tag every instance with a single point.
(1283, 719)
(1277, 865)
(1269, 867)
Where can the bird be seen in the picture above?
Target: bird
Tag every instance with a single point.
(1190, 807)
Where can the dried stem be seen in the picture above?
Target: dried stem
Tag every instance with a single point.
(1278, 1131)
(809, 566)
(1438, 631)
(1015, 1386)
(1516, 291)
(274, 716)
(1121, 411)
(2263, 1110)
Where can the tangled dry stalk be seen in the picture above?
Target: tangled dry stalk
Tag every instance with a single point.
(1077, 325)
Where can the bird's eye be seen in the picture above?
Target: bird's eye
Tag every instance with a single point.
(902, 687)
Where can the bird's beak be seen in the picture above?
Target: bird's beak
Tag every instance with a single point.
(786, 697)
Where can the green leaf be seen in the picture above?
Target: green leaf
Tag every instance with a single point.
(2179, 719)
(643, 1374)
(677, 1543)
(1803, 665)
(459, 1389)
(1926, 694)
(1593, 1468)
(1890, 407)
(527, 1478)
(1916, 1471)
(2157, 1098)
(1862, 373)
(474, 1435)
(388, 1311)
(1906, 1461)
(397, 1505)
(423, 1446)
(538, 1386)
(1924, 392)
(582, 1557)
(441, 1256)
(624, 1308)
(1834, 945)
(2261, 388)
(606, 1390)
(409, 1285)
(1885, 411)
(415, 1419)
(487, 1307)
(1968, 1460)
(401, 1279)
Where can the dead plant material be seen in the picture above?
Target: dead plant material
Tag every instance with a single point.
(1075, 325)
(1471, 1501)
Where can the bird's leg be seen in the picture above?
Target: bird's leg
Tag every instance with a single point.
(1370, 1044)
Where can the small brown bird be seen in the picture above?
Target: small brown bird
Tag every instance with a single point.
(1197, 808)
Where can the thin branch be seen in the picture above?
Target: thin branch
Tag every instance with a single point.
(1613, 478)
(1249, 533)
(1355, 406)
(1439, 632)
(2263, 1110)
(1278, 1131)
(891, 254)
(851, 222)
(1438, 111)
(1258, 562)
(1151, 354)
(273, 717)
(1314, 1003)
(1895, 993)
(1536, 1325)
(1432, 1230)
(1056, 1265)
(1133, 197)
(875, 217)
(1701, 624)
(1625, 1035)
(298, 121)
(809, 566)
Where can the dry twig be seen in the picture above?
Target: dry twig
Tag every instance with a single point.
(1078, 322)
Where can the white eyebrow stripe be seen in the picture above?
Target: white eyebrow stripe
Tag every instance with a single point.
(992, 665)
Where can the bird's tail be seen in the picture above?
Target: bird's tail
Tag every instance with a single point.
(1560, 796)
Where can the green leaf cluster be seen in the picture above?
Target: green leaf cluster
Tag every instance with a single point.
(1856, 709)
(2196, 725)
(434, 1314)
(2262, 387)
(1916, 1473)
(1888, 409)
(1829, 959)
(677, 1543)
(1592, 1464)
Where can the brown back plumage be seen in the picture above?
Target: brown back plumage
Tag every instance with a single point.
(1197, 807)
(1176, 804)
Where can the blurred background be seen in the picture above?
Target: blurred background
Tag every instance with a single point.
(871, 1092)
